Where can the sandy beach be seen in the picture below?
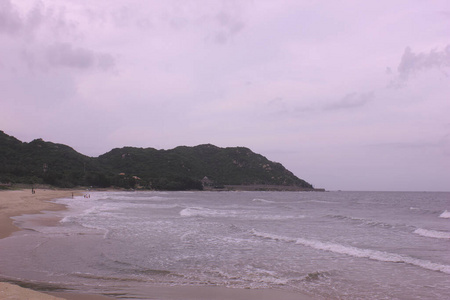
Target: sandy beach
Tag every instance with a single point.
(15, 203)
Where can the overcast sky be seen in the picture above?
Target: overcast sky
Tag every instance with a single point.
(348, 95)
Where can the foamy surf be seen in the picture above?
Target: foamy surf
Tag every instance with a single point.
(445, 215)
(215, 213)
(262, 200)
(357, 252)
(432, 233)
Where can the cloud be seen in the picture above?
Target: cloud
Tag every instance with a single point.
(65, 55)
(10, 21)
(21, 24)
(42, 37)
(352, 100)
(229, 24)
(412, 63)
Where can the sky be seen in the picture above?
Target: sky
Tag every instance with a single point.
(348, 95)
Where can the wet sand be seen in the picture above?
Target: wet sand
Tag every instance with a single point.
(16, 203)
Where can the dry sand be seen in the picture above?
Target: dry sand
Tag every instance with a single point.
(15, 203)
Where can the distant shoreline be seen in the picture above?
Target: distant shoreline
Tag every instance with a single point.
(271, 188)
(237, 187)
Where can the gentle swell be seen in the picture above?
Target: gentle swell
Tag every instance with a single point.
(363, 221)
(432, 233)
(358, 252)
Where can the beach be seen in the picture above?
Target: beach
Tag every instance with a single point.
(20, 202)
(15, 203)
(227, 245)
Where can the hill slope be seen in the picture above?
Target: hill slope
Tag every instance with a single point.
(175, 169)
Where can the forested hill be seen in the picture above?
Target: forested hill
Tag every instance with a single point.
(176, 169)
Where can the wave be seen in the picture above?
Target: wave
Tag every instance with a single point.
(213, 213)
(368, 222)
(322, 201)
(315, 276)
(249, 277)
(263, 200)
(205, 212)
(357, 252)
(445, 215)
(432, 233)
(100, 277)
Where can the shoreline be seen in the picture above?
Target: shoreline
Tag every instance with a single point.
(20, 202)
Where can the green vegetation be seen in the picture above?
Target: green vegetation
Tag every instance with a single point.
(182, 168)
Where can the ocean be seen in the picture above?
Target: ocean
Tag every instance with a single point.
(329, 245)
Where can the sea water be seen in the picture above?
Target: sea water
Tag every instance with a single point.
(330, 245)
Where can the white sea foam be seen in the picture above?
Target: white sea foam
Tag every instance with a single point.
(445, 215)
(358, 252)
(262, 200)
(205, 212)
(67, 219)
(432, 233)
(214, 213)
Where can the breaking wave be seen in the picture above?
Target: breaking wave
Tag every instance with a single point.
(445, 215)
(357, 252)
(432, 233)
(215, 213)
(263, 200)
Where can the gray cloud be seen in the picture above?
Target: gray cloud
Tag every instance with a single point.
(35, 17)
(16, 24)
(352, 100)
(65, 55)
(229, 26)
(10, 21)
(412, 62)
